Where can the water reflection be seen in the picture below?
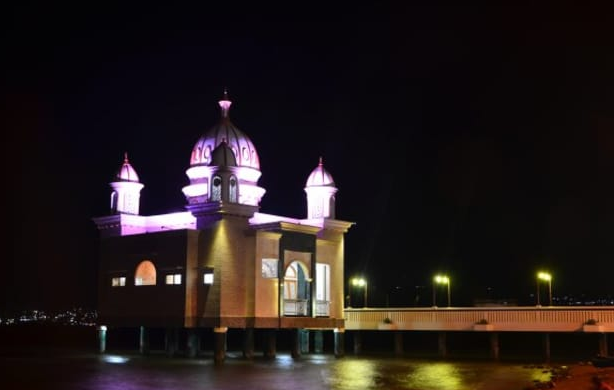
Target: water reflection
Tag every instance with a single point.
(436, 376)
(309, 372)
(352, 374)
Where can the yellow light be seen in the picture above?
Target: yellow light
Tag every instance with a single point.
(442, 279)
(544, 276)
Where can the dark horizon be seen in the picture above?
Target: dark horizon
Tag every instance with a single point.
(474, 141)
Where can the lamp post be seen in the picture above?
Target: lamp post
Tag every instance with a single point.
(545, 276)
(440, 279)
(362, 283)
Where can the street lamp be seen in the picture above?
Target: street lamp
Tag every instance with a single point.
(362, 283)
(545, 276)
(440, 279)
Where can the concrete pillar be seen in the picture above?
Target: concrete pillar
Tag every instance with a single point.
(305, 340)
(270, 343)
(102, 338)
(339, 342)
(357, 342)
(547, 346)
(192, 342)
(143, 341)
(318, 341)
(295, 348)
(398, 342)
(219, 344)
(442, 346)
(494, 345)
(171, 341)
(248, 343)
(603, 344)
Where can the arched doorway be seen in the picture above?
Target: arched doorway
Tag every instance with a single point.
(297, 290)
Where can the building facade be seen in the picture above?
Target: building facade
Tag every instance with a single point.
(222, 264)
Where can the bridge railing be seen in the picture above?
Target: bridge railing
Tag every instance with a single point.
(515, 318)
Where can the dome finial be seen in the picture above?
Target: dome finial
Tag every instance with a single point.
(225, 103)
(126, 157)
(320, 162)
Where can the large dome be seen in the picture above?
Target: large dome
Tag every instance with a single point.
(225, 131)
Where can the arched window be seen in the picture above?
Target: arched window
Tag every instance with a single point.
(216, 189)
(232, 190)
(145, 274)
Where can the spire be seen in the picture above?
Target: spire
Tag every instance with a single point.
(320, 163)
(126, 158)
(225, 104)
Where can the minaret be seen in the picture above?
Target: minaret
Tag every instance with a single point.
(320, 189)
(126, 194)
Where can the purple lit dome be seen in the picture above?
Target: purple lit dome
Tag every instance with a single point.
(242, 147)
(320, 177)
(126, 172)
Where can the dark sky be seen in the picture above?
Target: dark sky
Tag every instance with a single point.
(475, 141)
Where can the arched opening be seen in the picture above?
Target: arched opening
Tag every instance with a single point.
(297, 290)
(145, 274)
(216, 189)
(232, 190)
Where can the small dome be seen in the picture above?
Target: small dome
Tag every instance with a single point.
(126, 172)
(222, 156)
(240, 144)
(320, 177)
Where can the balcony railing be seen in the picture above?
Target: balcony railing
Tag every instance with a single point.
(300, 307)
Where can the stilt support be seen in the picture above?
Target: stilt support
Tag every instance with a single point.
(318, 341)
(219, 344)
(547, 347)
(102, 338)
(296, 343)
(270, 346)
(171, 341)
(357, 342)
(603, 344)
(143, 341)
(248, 343)
(442, 346)
(494, 345)
(398, 342)
(192, 342)
(339, 342)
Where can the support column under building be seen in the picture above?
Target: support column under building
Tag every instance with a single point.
(546, 342)
(441, 344)
(494, 345)
(357, 342)
(603, 344)
(339, 342)
(143, 340)
(295, 348)
(171, 342)
(248, 343)
(270, 343)
(102, 338)
(398, 342)
(318, 341)
(304, 335)
(192, 342)
(219, 344)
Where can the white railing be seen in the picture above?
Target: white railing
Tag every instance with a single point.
(556, 318)
(322, 308)
(295, 307)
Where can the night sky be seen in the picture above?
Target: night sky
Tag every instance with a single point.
(473, 141)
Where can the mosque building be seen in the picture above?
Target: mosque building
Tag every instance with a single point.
(222, 264)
